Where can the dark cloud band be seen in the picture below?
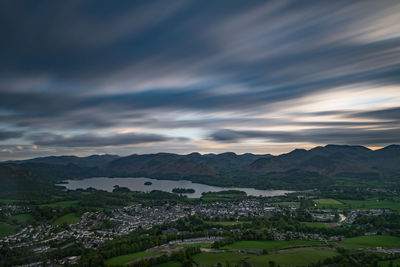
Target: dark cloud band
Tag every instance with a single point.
(319, 135)
(5, 135)
(91, 140)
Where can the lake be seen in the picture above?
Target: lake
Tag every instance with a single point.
(137, 184)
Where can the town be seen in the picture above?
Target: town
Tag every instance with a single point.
(97, 227)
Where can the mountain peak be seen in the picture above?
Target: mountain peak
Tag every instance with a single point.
(358, 147)
(391, 147)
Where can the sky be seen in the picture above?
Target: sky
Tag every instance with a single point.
(125, 77)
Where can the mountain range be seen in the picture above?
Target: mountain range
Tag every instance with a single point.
(298, 169)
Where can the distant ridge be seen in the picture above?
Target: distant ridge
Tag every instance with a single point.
(90, 161)
(299, 168)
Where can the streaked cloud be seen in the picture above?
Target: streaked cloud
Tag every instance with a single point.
(5, 135)
(234, 75)
(92, 140)
(318, 135)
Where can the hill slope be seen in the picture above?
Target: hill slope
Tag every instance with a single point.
(298, 169)
(334, 160)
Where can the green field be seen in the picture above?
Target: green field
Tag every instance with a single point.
(384, 241)
(211, 259)
(68, 219)
(327, 201)
(6, 229)
(395, 262)
(371, 204)
(285, 259)
(23, 218)
(169, 264)
(274, 245)
(124, 259)
(300, 258)
(61, 204)
(357, 204)
(227, 223)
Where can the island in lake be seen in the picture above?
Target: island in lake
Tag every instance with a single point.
(121, 189)
(148, 183)
(183, 190)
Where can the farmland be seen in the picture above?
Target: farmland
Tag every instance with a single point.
(371, 242)
(273, 245)
(169, 264)
(23, 219)
(67, 219)
(61, 204)
(284, 259)
(327, 201)
(358, 204)
(227, 223)
(124, 259)
(6, 229)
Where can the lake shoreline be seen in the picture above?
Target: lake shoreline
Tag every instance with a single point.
(60, 182)
(166, 185)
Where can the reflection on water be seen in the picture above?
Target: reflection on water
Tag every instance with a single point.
(137, 184)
